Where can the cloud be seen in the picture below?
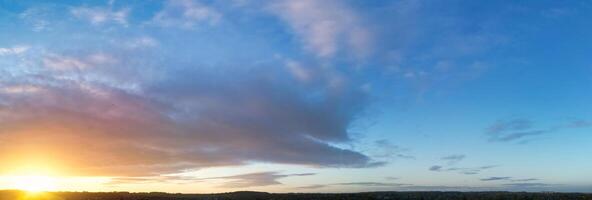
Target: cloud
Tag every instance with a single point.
(496, 178)
(435, 168)
(254, 179)
(164, 120)
(64, 62)
(509, 125)
(519, 135)
(512, 130)
(311, 187)
(325, 27)
(37, 18)
(100, 16)
(461, 170)
(372, 184)
(529, 186)
(141, 42)
(522, 129)
(525, 180)
(15, 50)
(579, 124)
(453, 159)
(186, 14)
(298, 71)
(356, 184)
(385, 149)
(507, 178)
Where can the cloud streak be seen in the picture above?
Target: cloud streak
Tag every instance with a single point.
(254, 179)
(522, 129)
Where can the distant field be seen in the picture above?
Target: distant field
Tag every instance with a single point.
(18, 195)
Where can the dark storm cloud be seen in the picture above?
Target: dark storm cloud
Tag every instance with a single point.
(253, 179)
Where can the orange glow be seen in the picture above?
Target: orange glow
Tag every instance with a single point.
(33, 183)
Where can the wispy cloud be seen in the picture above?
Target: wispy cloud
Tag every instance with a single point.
(507, 178)
(461, 170)
(186, 14)
(254, 179)
(496, 178)
(387, 150)
(453, 159)
(15, 50)
(37, 18)
(325, 27)
(523, 129)
(101, 15)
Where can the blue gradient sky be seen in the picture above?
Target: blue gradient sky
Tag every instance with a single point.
(297, 96)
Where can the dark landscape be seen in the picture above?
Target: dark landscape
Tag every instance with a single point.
(19, 195)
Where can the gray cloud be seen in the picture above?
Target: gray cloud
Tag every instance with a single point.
(435, 168)
(254, 179)
(386, 150)
(512, 130)
(311, 187)
(186, 14)
(373, 184)
(462, 170)
(496, 178)
(579, 124)
(453, 159)
(509, 125)
(525, 180)
(165, 120)
(357, 184)
(522, 129)
(507, 178)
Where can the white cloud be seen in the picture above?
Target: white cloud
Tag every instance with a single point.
(185, 14)
(325, 26)
(60, 62)
(37, 18)
(57, 62)
(298, 71)
(141, 42)
(98, 16)
(15, 50)
(19, 89)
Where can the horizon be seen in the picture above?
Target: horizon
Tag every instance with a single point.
(295, 96)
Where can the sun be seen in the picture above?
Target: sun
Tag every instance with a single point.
(33, 183)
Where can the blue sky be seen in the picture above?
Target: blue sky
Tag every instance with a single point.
(306, 96)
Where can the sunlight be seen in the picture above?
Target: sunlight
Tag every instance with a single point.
(33, 183)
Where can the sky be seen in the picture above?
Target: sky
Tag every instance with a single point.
(202, 96)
